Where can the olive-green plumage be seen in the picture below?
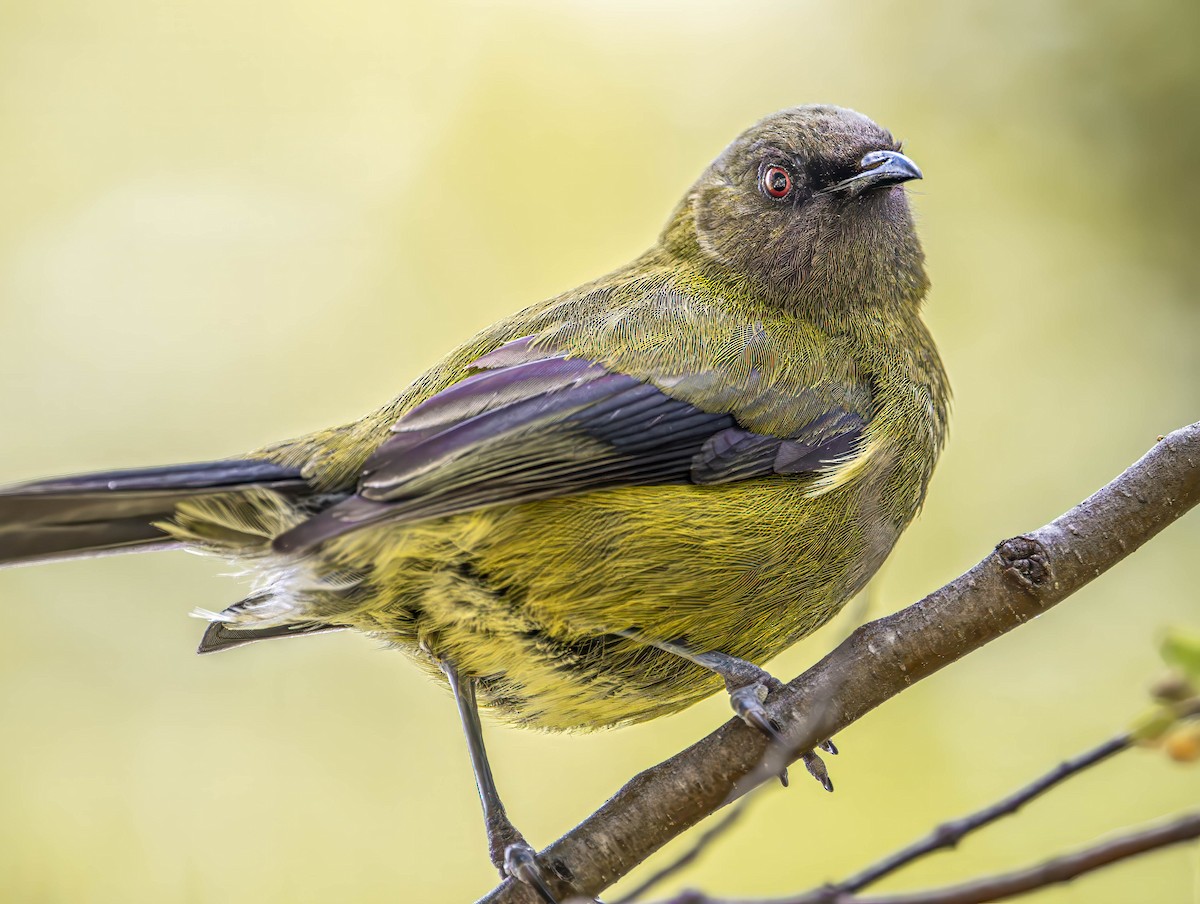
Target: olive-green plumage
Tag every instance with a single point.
(797, 317)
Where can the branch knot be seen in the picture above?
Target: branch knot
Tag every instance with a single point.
(1025, 562)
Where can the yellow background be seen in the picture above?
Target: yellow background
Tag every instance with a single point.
(224, 223)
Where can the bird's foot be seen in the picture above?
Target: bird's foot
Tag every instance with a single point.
(521, 863)
(816, 766)
(749, 686)
(513, 856)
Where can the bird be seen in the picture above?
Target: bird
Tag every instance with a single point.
(615, 502)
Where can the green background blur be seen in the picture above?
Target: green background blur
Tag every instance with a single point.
(228, 223)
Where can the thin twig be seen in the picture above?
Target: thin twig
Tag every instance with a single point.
(1052, 872)
(1022, 579)
(692, 853)
(1018, 882)
(949, 834)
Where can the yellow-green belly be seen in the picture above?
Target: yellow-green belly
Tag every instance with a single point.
(529, 599)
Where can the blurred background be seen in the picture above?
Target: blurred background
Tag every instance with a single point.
(228, 223)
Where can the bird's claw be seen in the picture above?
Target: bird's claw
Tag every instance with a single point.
(816, 768)
(521, 863)
(748, 702)
(749, 686)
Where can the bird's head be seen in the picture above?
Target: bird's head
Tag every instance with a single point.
(808, 203)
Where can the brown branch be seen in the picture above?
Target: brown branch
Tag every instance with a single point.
(1020, 580)
(692, 854)
(1018, 882)
(949, 834)
(774, 762)
(1052, 872)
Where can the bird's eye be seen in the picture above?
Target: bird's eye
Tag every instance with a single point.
(776, 182)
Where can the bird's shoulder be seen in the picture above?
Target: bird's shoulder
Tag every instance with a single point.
(714, 345)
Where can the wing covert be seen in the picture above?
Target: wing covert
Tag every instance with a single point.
(531, 424)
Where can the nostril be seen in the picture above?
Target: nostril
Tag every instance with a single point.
(873, 160)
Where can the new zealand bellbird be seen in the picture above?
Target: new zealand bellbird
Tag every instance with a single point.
(596, 509)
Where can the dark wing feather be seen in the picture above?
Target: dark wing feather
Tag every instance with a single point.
(737, 454)
(534, 425)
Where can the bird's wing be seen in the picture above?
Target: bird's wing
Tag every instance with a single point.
(531, 424)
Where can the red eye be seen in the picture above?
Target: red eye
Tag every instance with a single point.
(777, 182)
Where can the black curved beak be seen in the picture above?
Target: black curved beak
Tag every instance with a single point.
(878, 169)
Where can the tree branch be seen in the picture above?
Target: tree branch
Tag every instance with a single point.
(1020, 580)
(949, 834)
(1052, 872)
(1018, 882)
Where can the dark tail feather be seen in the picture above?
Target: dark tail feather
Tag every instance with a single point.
(220, 636)
(115, 511)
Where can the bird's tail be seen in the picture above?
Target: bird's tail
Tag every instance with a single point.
(118, 511)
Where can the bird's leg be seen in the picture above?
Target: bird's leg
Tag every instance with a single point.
(507, 847)
(748, 686)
